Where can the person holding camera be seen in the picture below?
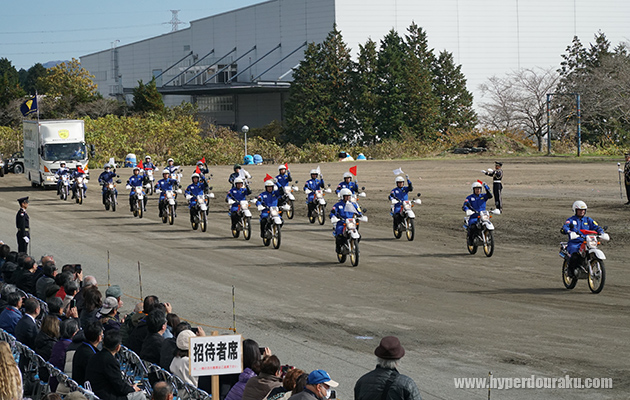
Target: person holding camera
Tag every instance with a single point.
(270, 377)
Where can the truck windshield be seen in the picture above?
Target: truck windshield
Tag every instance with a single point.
(64, 151)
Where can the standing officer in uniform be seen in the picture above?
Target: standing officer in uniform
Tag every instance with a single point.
(497, 186)
(22, 225)
(626, 174)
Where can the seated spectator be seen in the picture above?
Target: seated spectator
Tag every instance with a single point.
(11, 314)
(252, 360)
(103, 372)
(289, 386)
(169, 347)
(270, 377)
(9, 268)
(116, 292)
(51, 292)
(71, 288)
(49, 273)
(108, 314)
(88, 282)
(180, 365)
(4, 294)
(318, 386)
(77, 341)
(162, 391)
(172, 320)
(5, 250)
(61, 281)
(76, 271)
(26, 328)
(139, 332)
(93, 336)
(45, 340)
(152, 345)
(92, 301)
(10, 376)
(55, 305)
(67, 330)
(26, 279)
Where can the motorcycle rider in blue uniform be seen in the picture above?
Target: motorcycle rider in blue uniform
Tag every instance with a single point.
(347, 184)
(342, 210)
(79, 173)
(171, 167)
(136, 180)
(147, 165)
(164, 184)
(313, 184)
(473, 204)
(195, 189)
(400, 193)
(203, 170)
(572, 227)
(60, 172)
(238, 193)
(283, 179)
(268, 198)
(106, 177)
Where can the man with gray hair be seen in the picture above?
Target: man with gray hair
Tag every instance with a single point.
(385, 382)
(88, 281)
(162, 391)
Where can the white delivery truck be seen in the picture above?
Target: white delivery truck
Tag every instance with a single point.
(47, 143)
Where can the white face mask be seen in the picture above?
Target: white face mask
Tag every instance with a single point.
(328, 393)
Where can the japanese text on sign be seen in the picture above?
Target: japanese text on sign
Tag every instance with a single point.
(216, 355)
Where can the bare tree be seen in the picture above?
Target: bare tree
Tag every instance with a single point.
(517, 102)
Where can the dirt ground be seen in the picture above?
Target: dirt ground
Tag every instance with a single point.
(458, 315)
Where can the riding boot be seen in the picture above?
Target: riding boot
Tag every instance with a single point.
(339, 242)
(192, 215)
(263, 225)
(234, 219)
(311, 207)
(130, 203)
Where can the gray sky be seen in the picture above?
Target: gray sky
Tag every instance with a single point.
(488, 37)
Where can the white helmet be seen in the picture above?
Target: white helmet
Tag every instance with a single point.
(166, 171)
(347, 175)
(106, 166)
(136, 169)
(314, 172)
(62, 163)
(195, 175)
(579, 205)
(147, 157)
(269, 183)
(476, 185)
(400, 179)
(345, 192)
(169, 160)
(281, 166)
(238, 180)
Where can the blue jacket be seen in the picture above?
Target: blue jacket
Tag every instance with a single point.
(237, 195)
(283, 180)
(106, 177)
(575, 224)
(148, 165)
(194, 191)
(166, 184)
(400, 194)
(135, 181)
(354, 188)
(267, 199)
(9, 318)
(313, 185)
(339, 210)
(172, 169)
(62, 171)
(476, 203)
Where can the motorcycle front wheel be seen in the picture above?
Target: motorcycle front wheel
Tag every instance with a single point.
(312, 217)
(151, 188)
(341, 258)
(247, 228)
(488, 243)
(64, 193)
(597, 277)
(397, 231)
(290, 210)
(112, 201)
(266, 241)
(472, 248)
(354, 252)
(321, 214)
(140, 208)
(171, 214)
(203, 221)
(276, 236)
(410, 232)
(569, 282)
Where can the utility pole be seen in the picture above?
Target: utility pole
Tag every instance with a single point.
(175, 22)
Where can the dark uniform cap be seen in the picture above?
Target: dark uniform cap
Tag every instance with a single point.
(22, 200)
(499, 163)
(236, 166)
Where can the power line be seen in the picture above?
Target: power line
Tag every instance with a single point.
(80, 30)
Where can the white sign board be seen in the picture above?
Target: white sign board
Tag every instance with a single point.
(216, 355)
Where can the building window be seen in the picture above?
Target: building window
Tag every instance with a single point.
(216, 103)
(155, 73)
(186, 47)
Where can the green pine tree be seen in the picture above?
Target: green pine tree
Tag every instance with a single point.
(364, 87)
(146, 98)
(391, 87)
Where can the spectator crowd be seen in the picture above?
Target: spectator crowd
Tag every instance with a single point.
(66, 319)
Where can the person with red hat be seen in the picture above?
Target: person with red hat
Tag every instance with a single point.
(385, 382)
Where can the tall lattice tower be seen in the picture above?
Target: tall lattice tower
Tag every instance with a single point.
(175, 22)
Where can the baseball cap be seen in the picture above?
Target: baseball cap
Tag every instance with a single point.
(320, 376)
(113, 291)
(109, 304)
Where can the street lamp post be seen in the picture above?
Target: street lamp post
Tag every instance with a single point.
(245, 129)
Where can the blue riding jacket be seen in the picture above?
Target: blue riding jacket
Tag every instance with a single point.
(400, 194)
(575, 224)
